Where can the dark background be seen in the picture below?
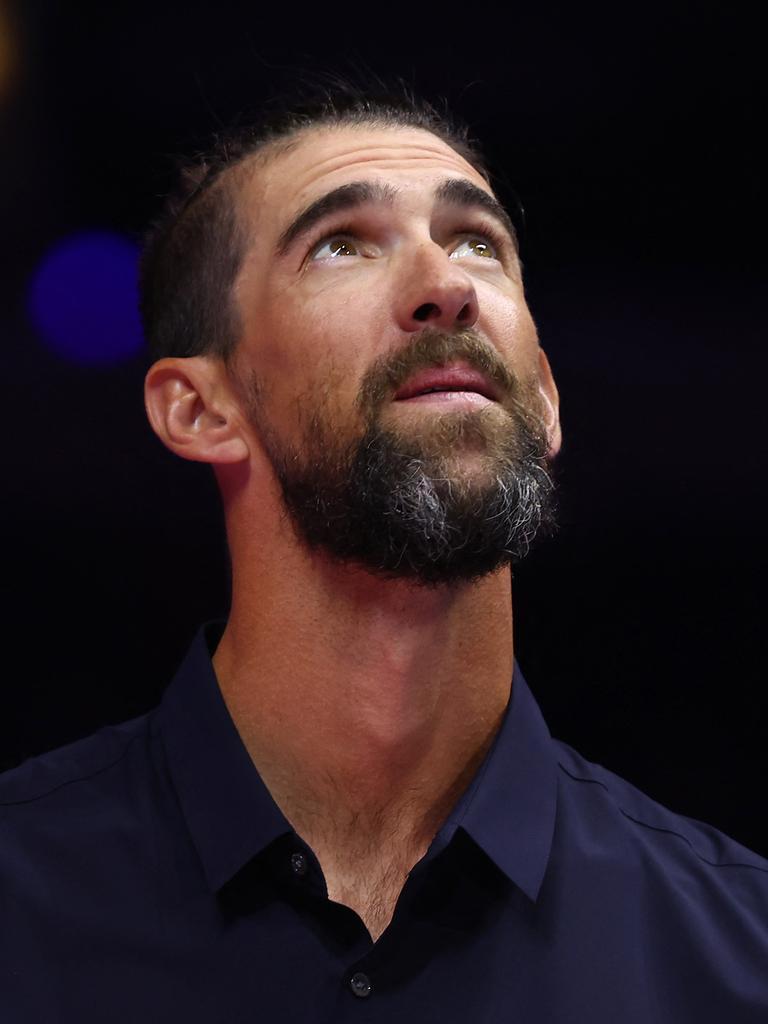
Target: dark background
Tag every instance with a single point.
(633, 140)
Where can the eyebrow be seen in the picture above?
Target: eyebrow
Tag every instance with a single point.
(345, 197)
(460, 192)
(452, 192)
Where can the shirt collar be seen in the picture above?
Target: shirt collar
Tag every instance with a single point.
(229, 811)
(508, 809)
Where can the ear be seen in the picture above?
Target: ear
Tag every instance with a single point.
(192, 412)
(551, 399)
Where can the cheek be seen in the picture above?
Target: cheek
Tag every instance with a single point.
(510, 325)
(312, 363)
(334, 330)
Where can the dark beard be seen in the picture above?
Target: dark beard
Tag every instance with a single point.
(402, 507)
(388, 515)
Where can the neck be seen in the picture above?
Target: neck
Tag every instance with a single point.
(361, 700)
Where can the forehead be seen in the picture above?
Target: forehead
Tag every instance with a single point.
(321, 159)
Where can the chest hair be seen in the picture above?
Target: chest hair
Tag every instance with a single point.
(372, 891)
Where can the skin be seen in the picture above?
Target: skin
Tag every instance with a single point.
(366, 704)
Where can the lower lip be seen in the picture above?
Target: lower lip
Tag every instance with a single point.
(448, 398)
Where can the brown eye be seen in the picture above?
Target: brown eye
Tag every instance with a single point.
(333, 247)
(475, 246)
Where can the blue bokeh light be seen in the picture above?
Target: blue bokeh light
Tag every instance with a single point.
(83, 298)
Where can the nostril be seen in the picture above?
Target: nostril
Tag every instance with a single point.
(464, 314)
(425, 311)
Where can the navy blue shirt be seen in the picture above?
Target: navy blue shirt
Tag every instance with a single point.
(147, 875)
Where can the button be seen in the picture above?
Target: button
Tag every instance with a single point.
(298, 864)
(360, 984)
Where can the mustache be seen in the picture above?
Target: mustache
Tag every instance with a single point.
(434, 348)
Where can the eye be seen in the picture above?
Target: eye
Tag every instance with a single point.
(331, 248)
(475, 245)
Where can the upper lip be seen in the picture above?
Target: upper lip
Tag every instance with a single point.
(456, 377)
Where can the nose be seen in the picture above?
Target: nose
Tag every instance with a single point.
(435, 291)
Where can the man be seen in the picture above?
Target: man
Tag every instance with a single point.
(347, 805)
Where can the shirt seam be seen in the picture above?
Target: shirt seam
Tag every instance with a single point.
(661, 828)
(73, 781)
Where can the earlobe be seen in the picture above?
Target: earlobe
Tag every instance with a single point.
(187, 408)
(551, 400)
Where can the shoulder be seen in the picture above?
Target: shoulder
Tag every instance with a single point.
(682, 879)
(600, 795)
(695, 900)
(73, 818)
(52, 791)
(82, 836)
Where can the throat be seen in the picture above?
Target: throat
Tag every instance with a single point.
(367, 852)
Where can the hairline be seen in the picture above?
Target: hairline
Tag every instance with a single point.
(273, 149)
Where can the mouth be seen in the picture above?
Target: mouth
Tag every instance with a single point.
(448, 384)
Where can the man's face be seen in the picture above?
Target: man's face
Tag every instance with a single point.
(378, 254)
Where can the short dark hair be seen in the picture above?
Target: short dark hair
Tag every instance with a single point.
(194, 250)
